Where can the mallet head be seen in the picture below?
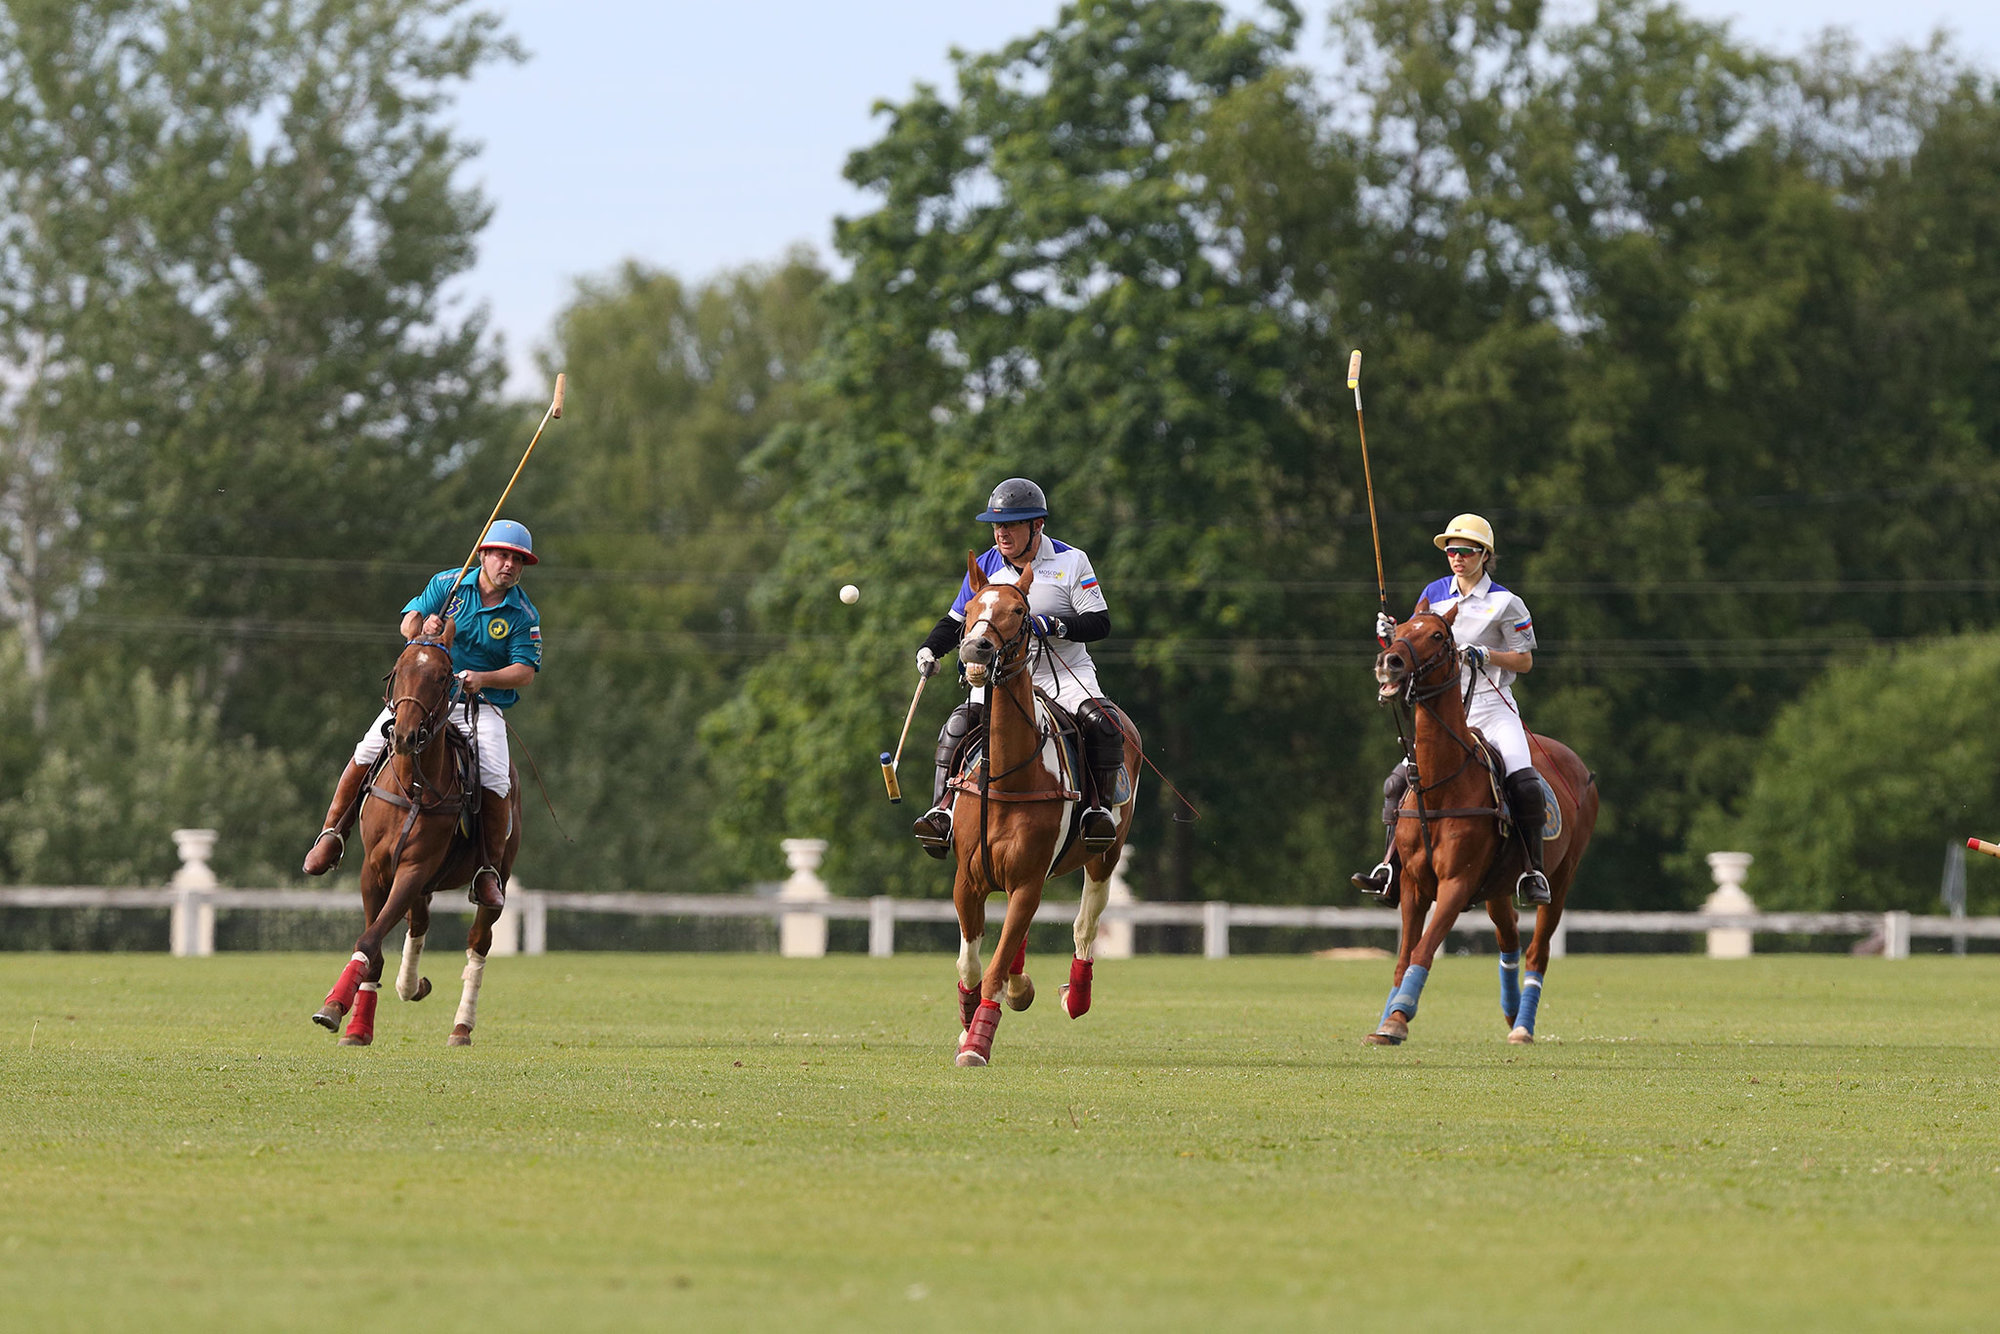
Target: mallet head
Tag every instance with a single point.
(562, 383)
(889, 779)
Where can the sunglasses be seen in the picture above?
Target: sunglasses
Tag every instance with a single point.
(1464, 551)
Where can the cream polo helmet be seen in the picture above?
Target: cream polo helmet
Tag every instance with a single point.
(1466, 528)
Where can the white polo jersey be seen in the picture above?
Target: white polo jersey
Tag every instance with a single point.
(1064, 584)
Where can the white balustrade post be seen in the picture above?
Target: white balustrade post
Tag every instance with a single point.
(1215, 929)
(881, 927)
(1729, 868)
(1895, 935)
(1559, 941)
(802, 935)
(191, 931)
(1114, 934)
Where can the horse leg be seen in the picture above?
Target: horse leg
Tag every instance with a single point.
(1075, 993)
(1393, 1027)
(977, 1048)
(1507, 935)
(477, 943)
(1537, 962)
(374, 895)
(362, 978)
(971, 906)
(1451, 901)
(410, 985)
(1020, 987)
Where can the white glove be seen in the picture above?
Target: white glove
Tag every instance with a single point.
(926, 662)
(1385, 626)
(1475, 657)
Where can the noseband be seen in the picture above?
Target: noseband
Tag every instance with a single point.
(1423, 667)
(999, 671)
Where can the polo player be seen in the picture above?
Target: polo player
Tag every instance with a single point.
(1496, 643)
(496, 649)
(1068, 611)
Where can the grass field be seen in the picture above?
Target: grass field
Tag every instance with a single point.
(741, 1142)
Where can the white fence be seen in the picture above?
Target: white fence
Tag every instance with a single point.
(524, 928)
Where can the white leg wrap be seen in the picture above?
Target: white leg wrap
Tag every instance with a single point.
(468, 1001)
(1096, 893)
(968, 962)
(406, 975)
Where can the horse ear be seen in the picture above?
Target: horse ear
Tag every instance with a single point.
(1451, 615)
(450, 630)
(1027, 577)
(973, 574)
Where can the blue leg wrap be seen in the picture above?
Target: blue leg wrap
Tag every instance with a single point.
(1510, 984)
(1531, 1000)
(1411, 991)
(1389, 1004)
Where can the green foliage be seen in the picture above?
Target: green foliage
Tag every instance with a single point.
(1868, 777)
(128, 760)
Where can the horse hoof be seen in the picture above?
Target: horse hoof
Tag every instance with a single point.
(1391, 1034)
(423, 989)
(1520, 1037)
(356, 1039)
(1022, 998)
(329, 1017)
(461, 1036)
(969, 1058)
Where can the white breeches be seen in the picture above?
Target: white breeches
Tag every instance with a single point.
(488, 735)
(1067, 689)
(1492, 712)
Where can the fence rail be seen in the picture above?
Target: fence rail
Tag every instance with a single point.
(524, 927)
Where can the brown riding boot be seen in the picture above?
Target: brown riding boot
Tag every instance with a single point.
(496, 816)
(326, 850)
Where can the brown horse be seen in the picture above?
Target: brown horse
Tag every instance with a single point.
(414, 845)
(1013, 821)
(1449, 839)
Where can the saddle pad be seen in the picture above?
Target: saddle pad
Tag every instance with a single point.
(1073, 762)
(1552, 811)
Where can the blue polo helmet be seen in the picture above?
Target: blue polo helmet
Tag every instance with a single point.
(1013, 500)
(511, 536)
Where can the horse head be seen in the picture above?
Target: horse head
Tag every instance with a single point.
(1421, 659)
(419, 691)
(995, 643)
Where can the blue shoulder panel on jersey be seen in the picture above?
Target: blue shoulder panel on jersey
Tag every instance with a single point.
(990, 562)
(1438, 591)
(1058, 547)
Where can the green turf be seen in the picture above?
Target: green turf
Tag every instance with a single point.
(744, 1142)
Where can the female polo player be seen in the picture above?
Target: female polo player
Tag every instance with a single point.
(1496, 640)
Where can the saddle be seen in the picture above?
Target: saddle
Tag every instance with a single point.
(1073, 773)
(464, 769)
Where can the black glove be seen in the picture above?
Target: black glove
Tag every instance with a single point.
(1048, 627)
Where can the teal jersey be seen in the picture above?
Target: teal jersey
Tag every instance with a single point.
(487, 638)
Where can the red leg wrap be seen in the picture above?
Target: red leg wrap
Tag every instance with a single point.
(968, 1003)
(977, 1046)
(1020, 964)
(350, 982)
(1076, 996)
(361, 1024)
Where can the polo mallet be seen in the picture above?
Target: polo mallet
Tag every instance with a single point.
(889, 762)
(555, 410)
(1981, 845)
(1354, 383)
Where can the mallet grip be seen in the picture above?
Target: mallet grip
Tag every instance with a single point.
(889, 779)
(1981, 845)
(562, 383)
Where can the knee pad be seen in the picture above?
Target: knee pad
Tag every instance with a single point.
(1393, 788)
(1099, 720)
(955, 730)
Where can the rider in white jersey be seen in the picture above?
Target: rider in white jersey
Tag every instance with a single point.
(1496, 641)
(1068, 611)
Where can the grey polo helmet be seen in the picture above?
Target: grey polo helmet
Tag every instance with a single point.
(1013, 500)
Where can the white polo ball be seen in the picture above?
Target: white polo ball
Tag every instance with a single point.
(850, 594)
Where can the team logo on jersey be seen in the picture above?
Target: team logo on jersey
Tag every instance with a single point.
(497, 628)
(451, 607)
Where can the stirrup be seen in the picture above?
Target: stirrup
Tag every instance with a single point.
(339, 839)
(1098, 842)
(925, 827)
(499, 889)
(1377, 882)
(1532, 888)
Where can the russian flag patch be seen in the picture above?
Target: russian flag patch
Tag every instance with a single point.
(1523, 625)
(1090, 581)
(535, 633)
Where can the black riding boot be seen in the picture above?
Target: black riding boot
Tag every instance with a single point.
(1384, 882)
(496, 819)
(933, 827)
(1104, 754)
(1526, 800)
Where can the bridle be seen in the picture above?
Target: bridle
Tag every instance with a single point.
(1414, 691)
(434, 711)
(1005, 664)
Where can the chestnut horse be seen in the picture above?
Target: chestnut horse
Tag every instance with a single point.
(414, 846)
(1448, 836)
(1011, 818)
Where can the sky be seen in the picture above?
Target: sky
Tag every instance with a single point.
(695, 137)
